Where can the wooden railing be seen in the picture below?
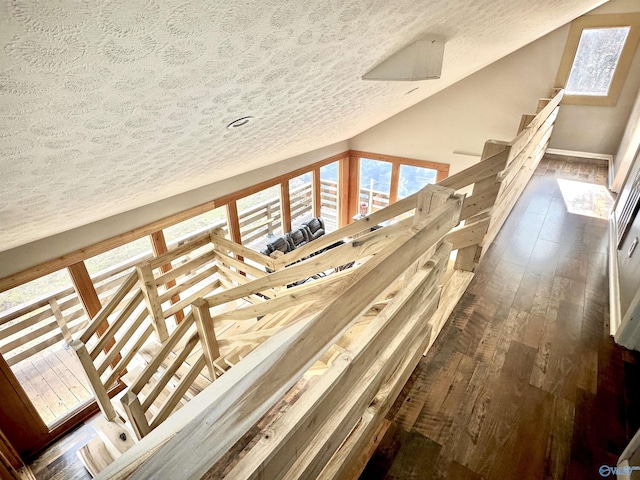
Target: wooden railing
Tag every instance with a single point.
(223, 331)
(364, 328)
(299, 329)
(31, 328)
(524, 153)
(34, 326)
(137, 315)
(513, 164)
(106, 356)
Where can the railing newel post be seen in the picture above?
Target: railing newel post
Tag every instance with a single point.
(150, 292)
(135, 414)
(208, 340)
(99, 390)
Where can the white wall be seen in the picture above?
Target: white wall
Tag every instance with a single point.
(25, 256)
(628, 147)
(489, 104)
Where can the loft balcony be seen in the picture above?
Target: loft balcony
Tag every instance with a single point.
(207, 335)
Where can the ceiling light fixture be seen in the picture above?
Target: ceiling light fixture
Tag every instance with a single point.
(240, 122)
(421, 60)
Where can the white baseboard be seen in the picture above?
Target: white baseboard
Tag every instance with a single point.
(615, 316)
(575, 153)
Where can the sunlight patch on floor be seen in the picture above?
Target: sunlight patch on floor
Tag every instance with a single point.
(586, 199)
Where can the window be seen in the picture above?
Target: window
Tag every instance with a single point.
(301, 199)
(329, 196)
(211, 219)
(597, 58)
(260, 217)
(375, 183)
(413, 179)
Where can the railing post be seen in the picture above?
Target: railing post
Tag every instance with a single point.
(159, 246)
(316, 195)
(525, 121)
(62, 324)
(218, 233)
(543, 102)
(98, 389)
(285, 207)
(135, 414)
(150, 292)
(202, 315)
(468, 257)
(88, 296)
(429, 198)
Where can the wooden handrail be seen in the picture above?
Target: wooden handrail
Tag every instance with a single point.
(300, 295)
(275, 365)
(356, 227)
(186, 267)
(475, 173)
(193, 243)
(185, 383)
(301, 421)
(126, 287)
(171, 369)
(272, 366)
(161, 354)
(524, 137)
(122, 341)
(124, 315)
(525, 152)
(545, 127)
(334, 258)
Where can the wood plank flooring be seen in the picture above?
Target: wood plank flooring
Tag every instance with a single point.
(54, 381)
(60, 461)
(524, 381)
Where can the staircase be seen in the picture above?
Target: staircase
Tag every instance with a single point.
(208, 310)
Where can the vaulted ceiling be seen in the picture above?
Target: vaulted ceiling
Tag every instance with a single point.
(106, 106)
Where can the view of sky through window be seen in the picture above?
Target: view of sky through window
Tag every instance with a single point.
(596, 60)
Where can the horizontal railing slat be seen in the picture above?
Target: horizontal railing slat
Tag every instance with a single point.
(121, 342)
(188, 283)
(126, 359)
(124, 315)
(170, 371)
(176, 307)
(103, 314)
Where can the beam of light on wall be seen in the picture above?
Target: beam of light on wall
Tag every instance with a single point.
(586, 199)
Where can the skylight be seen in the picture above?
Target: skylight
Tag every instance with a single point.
(596, 60)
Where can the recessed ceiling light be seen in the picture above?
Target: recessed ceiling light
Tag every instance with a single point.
(241, 122)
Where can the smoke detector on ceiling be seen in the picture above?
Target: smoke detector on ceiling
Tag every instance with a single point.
(421, 60)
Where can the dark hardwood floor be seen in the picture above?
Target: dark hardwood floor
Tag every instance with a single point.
(524, 381)
(60, 461)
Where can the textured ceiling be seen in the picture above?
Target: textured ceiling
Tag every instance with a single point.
(106, 106)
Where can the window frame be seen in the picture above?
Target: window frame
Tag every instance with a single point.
(353, 174)
(621, 72)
